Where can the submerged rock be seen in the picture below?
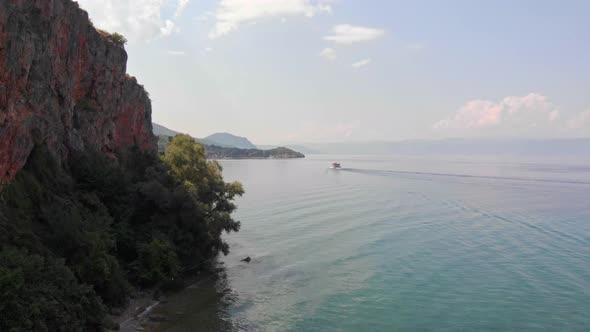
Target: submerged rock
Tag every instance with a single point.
(247, 259)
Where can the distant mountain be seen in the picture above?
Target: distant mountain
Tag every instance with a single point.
(223, 146)
(579, 147)
(225, 139)
(161, 130)
(215, 151)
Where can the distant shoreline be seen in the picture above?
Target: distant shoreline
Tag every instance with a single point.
(253, 158)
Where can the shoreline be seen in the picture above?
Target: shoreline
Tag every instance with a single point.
(141, 313)
(253, 158)
(135, 313)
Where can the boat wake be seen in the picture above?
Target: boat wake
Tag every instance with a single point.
(455, 175)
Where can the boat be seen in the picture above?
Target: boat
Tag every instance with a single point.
(336, 166)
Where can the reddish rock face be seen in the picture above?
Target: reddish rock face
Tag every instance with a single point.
(64, 84)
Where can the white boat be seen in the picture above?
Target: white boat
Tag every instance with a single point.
(336, 166)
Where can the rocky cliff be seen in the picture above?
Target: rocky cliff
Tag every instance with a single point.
(64, 84)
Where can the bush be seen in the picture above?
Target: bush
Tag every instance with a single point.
(41, 294)
(119, 39)
(156, 262)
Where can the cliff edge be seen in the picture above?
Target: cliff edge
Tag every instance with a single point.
(63, 84)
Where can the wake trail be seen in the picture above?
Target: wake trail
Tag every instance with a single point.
(454, 175)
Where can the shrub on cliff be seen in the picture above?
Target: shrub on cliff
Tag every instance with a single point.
(119, 39)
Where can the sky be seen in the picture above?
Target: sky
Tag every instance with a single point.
(288, 71)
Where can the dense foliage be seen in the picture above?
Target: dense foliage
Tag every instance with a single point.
(79, 238)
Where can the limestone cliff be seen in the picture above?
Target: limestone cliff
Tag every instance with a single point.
(64, 84)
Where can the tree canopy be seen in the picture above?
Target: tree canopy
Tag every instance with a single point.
(77, 239)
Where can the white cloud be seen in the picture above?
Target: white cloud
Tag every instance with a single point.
(168, 28)
(347, 34)
(231, 14)
(180, 8)
(179, 53)
(328, 54)
(138, 20)
(474, 114)
(580, 121)
(511, 113)
(361, 63)
(208, 49)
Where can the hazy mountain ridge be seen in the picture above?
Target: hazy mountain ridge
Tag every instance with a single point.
(161, 130)
(219, 139)
(579, 147)
(216, 146)
(226, 139)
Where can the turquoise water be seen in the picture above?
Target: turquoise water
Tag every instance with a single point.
(402, 244)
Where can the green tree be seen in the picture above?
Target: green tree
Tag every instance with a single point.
(203, 180)
(157, 261)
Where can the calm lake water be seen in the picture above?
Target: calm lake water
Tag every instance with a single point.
(401, 244)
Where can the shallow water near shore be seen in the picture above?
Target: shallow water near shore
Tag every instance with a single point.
(404, 244)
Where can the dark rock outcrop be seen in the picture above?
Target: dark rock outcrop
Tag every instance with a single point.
(64, 84)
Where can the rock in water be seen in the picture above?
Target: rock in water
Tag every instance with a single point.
(64, 84)
(247, 259)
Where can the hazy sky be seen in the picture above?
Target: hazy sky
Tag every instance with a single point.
(282, 71)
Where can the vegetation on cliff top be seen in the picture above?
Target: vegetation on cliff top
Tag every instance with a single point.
(79, 238)
(115, 37)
